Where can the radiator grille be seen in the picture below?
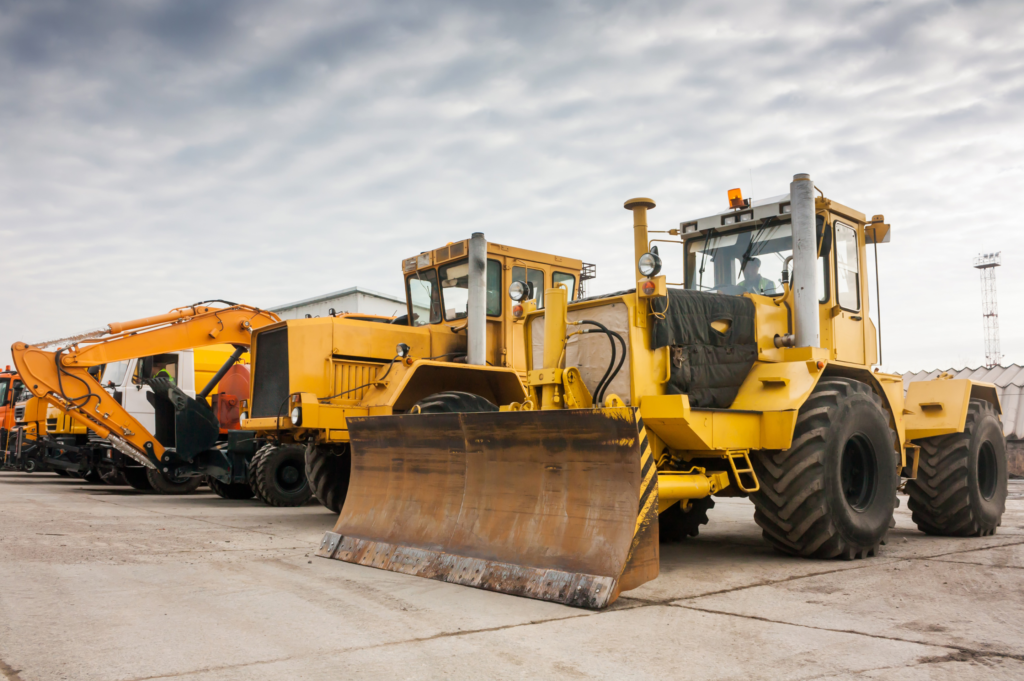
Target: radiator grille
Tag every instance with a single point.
(19, 412)
(51, 425)
(270, 373)
(349, 375)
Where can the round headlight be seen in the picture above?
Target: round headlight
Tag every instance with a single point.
(649, 264)
(518, 290)
(296, 416)
(402, 350)
(244, 416)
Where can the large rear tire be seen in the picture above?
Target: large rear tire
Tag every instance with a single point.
(279, 472)
(675, 524)
(160, 482)
(235, 490)
(961, 484)
(328, 469)
(453, 402)
(831, 494)
(138, 479)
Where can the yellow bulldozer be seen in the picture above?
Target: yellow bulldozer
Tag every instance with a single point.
(460, 346)
(753, 377)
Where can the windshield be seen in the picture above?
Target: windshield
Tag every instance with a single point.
(747, 262)
(4, 382)
(425, 298)
(115, 373)
(455, 289)
(20, 392)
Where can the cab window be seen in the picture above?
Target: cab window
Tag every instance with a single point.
(455, 289)
(157, 366)
(114, 373)
(533, 277)
(847, 271)
(564, 278)
(4, 383)
(750, 261)
(425, 297)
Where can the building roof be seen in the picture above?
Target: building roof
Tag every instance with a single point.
(1009, 382)
(337, 294)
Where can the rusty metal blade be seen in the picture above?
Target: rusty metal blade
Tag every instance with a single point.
(558, 505)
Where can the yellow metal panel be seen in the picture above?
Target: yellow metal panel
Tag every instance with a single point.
(733, 430)
(777, 429)
(779, 386)
(892, 386)
(351, 379)
(771, 318)
(671, 418)
(936, 407)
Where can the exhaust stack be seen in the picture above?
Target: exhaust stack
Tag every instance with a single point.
(476, 313)
(805, 256)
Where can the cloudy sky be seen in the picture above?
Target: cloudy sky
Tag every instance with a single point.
(157, 153)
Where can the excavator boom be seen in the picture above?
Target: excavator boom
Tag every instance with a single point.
(62, 378)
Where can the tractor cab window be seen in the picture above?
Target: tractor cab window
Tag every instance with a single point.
(115, 373)
(847, 271)
(564, 278)
(745, 262)
(157, 366)
(533, 277)
(455, 289)
(424, 297)
(4, 384)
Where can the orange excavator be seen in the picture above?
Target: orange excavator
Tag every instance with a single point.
(182, 440)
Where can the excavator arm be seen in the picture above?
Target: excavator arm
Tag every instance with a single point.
(61, 377)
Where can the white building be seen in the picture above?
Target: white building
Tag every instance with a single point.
(353, 299)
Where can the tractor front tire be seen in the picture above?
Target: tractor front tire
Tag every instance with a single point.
(675, 524)
(831, 494)
(453, 402)
(161, 482)
(279, 473)
(960, 490)
(328, 469)
(233, 490)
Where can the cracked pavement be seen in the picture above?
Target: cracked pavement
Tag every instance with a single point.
(106, 583)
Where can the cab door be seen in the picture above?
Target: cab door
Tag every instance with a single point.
(847, 314)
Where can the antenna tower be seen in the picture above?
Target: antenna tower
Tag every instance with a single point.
(987, 263)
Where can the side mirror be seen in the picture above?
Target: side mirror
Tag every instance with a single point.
(145, 368)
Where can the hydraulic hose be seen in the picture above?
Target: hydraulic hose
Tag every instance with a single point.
(609, 374)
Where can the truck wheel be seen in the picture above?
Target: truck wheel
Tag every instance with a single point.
(233, 490)
(831, 494)
(453, 402)
(675, 524)
(280, 475)
(328, 469)
(960, 490)
(30, 466)
(93, 477)
(138, 479)
(163, 483)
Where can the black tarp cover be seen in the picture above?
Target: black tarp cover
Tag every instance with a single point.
(707, 365)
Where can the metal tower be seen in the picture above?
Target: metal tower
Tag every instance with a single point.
(987, 263)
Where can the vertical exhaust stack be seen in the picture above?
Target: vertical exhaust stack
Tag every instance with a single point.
(805, 256)
(639, 207)
(476, 313)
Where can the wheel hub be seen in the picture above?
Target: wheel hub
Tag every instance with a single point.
(858, 473)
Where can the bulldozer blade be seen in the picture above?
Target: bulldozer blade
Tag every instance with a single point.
(558, 505)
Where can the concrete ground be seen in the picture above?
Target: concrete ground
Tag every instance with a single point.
(107, 583)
